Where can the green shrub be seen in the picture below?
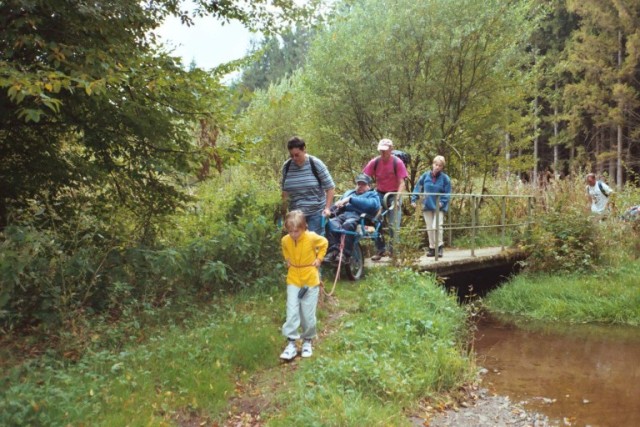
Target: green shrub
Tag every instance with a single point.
(562, 241)
(44, 278)
(50, 275)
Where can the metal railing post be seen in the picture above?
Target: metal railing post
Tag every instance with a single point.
(474, 214)
(449, 226)
(397, 218)
(436, 233)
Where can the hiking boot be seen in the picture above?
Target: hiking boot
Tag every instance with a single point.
(378, 256)
(346, 259)
(440, 251)
(290, 351)
(307, 350)
(431, 252)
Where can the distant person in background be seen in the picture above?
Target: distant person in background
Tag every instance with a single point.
(389, 172)
(361, 200)
(434, 206)
(598, 193)
(307, 185)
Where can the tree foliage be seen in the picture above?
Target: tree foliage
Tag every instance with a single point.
(101, 131)
(604, 97)
(91, 105)
(438, 77)
(278, 57)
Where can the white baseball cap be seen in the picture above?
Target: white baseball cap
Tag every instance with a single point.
(385, 144)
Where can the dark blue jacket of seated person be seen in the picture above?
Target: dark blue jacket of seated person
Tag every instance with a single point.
(348, 217)
(427, 183)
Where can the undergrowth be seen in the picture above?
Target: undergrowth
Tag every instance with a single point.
(189, 368)
(59, 284)
(581, 268)
(401, 338)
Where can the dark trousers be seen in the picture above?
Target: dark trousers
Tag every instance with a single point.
(346, 221)
(387, 222)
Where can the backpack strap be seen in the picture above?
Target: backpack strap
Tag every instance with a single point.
(395, 167)
(602, 189)
(285, 171)
(314, 170)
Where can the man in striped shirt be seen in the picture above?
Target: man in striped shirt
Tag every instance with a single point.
(307, 185)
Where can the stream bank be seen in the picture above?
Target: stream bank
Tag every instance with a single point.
(553, 375)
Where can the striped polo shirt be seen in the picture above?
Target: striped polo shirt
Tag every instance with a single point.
(303, 189)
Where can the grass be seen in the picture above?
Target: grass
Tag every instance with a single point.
(191, 368)
(605, 296)
(400, 338)
(406, 341)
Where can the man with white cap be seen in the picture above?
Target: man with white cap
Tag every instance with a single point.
(389, 172)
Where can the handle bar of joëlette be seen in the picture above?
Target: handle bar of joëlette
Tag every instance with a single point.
(363, 230)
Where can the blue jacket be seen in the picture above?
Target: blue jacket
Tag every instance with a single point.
(426, 185)
(367, 202)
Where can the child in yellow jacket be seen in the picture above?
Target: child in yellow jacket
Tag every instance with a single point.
(303, 251)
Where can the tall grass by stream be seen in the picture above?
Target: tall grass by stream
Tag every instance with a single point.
(581, 268)
(604, 297)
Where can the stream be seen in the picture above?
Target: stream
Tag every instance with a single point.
(577, 375)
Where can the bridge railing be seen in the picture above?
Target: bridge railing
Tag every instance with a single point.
(469, 215)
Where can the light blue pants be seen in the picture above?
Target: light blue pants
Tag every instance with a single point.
(301, 313)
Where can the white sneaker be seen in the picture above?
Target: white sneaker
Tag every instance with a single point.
(290, 351)
(307, 350)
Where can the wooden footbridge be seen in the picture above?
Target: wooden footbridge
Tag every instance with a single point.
(472, 219)
(461, 260)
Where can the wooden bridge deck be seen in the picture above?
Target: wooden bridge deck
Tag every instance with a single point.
(460, 260)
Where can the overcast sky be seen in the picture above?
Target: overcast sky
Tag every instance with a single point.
(208, 42)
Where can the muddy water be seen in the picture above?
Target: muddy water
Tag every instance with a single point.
(581, 375)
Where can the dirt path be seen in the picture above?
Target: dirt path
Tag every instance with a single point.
(256, 398)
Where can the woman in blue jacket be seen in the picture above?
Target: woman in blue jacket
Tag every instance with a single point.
(438, 186)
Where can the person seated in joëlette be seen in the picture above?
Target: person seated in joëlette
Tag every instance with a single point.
(361, 200)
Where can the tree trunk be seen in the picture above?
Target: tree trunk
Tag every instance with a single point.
(507, 155)
(597, 152)
(619, 148)
(610, 161)
(534, 177)
(572, 155)
(555, 136)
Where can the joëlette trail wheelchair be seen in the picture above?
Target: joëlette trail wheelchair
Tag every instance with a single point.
(367, 228)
